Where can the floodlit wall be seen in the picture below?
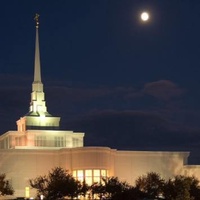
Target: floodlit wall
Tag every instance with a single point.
(41, 138)
(192, 170)
(20, 165)
(129, 165)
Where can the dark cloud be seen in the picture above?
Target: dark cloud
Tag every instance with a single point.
(131, 127)
(133, 130)
(14, 104)
(81, 100)
(161, 97)
(119, 117)
(163, 90)
(79, 94)
(15, 80)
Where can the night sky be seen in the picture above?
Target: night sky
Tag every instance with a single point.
(125, 83)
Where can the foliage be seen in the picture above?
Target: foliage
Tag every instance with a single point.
(110, 188)
(194, 188)
(182, 188)
(150, 184)
(56, 185)
(98, 189)
(83, 188)
(113, 186)
(40, 184)
(59, 184)
(5, 186)
(131, 193)
(178, 188)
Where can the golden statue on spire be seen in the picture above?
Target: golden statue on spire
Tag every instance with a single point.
(36, 18)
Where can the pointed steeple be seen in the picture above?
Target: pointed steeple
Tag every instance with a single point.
(37, 105)
(37, 69)
(37, 84)
(38, 117)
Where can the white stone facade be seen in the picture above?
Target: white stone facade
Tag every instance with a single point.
(22, 163)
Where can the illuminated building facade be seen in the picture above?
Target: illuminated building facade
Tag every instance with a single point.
(38, 145)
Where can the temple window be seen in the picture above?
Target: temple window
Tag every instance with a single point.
(90, 175)
(59, 142)
(40, 141)
(75, 142)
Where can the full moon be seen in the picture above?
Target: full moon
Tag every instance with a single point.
(144, 16)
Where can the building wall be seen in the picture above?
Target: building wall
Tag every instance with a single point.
(20, 165)
(129, 165)
(192, 170)
(42, 138)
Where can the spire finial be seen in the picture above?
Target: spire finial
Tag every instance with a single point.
(36, 18)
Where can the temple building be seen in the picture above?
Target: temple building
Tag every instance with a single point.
(38, 145)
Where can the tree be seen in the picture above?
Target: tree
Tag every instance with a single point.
(131, 193)
(98, 189)
(56, 185)
(83, 189)
(194, 188)
(110, 188)
(40, 183)
(150, 184)
(5, 186)
(182, 188)
(114, 187)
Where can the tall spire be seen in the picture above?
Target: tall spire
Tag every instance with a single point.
(38, 115)
(37, 104)
(37, 70)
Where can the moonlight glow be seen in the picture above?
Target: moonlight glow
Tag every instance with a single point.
(144, 16)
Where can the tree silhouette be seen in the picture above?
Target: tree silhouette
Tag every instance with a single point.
(182, 188)
(110, 188)
(150, 184)
(5, 186)
(56, 185)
